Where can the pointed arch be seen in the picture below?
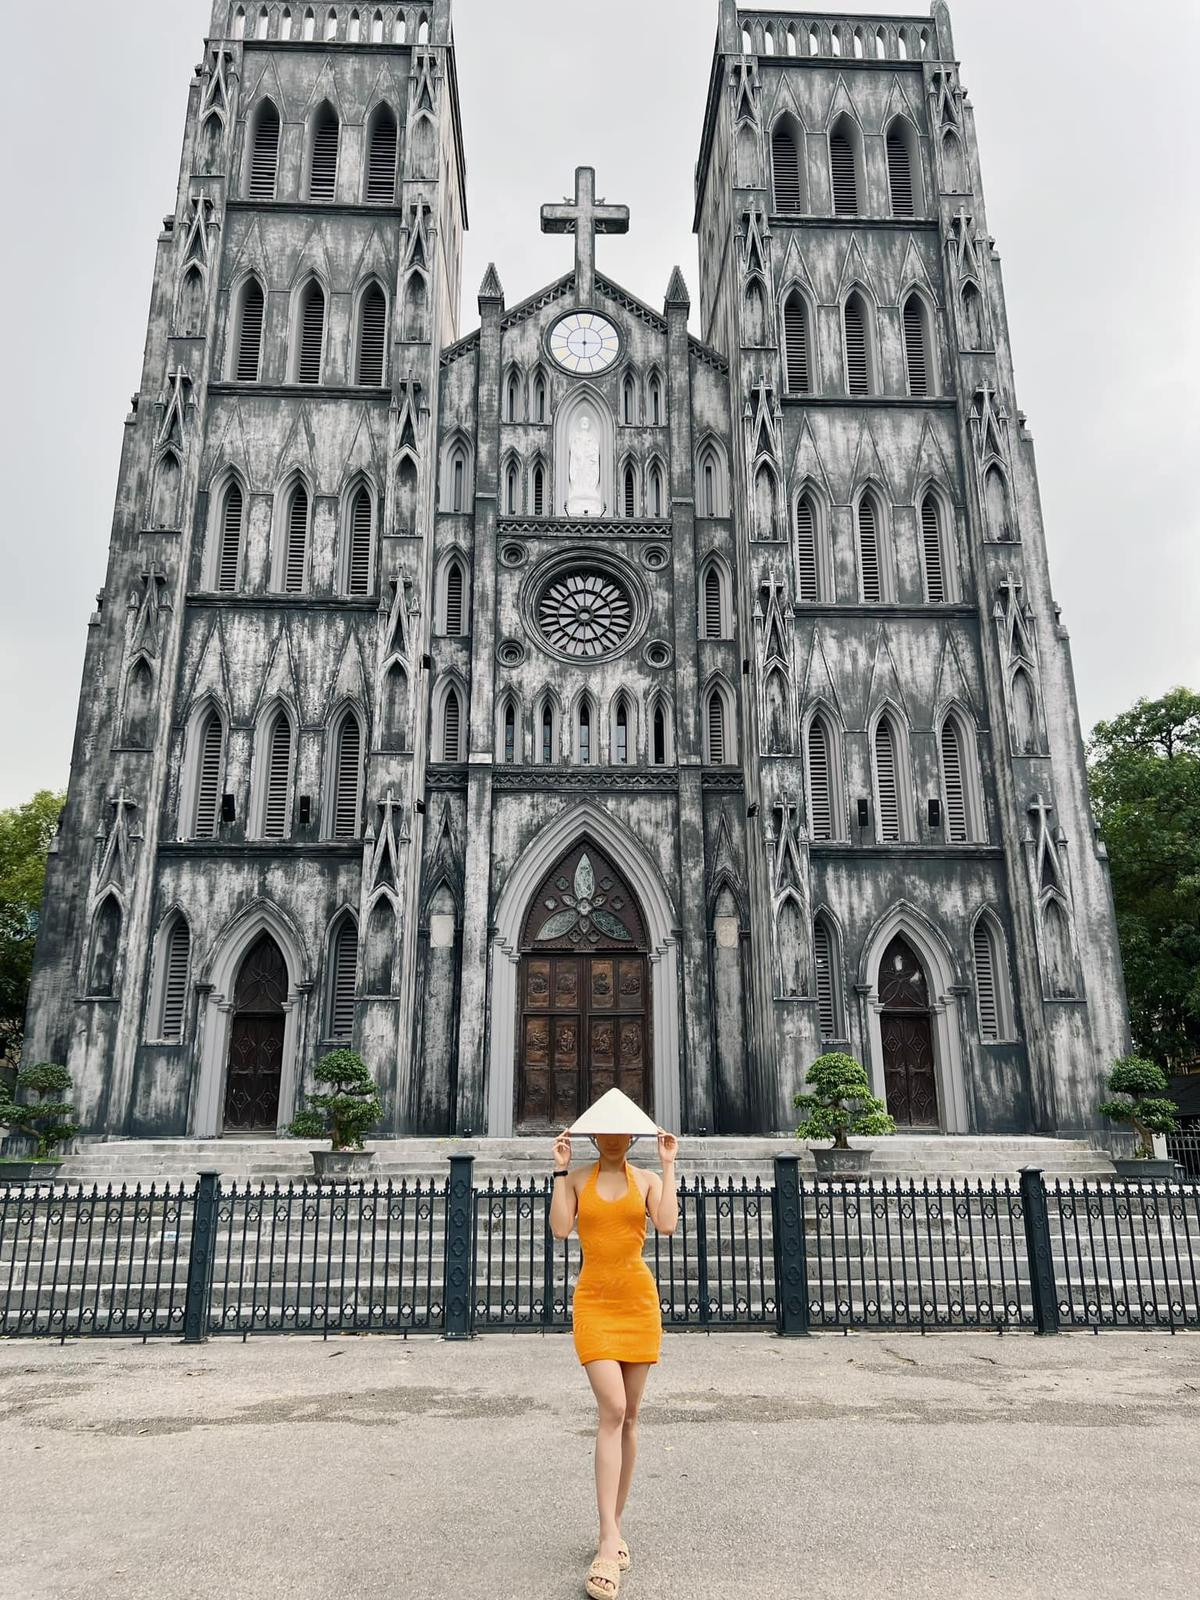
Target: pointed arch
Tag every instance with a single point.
(919, 355)
(993, 983)
(944, 983)
(657, 505)
(954, 171)
(587, 820)
(754, 312)
(273, 775)
(203, 772)
(846, 176)
(720, 729)
(789, 178)
(539, 408)
(859, 343)
(1027, 734)
(661, 729)
(293, 534)
(510, 477)
(962, 789)
(777, 711)
(508, 728)
(656, 407)
(246, 343)
(456, 474)
(622, 729)
(585, 730)
(189, 308)
(827, 967)
(371, 324)
(823, 775)
(167, 1011)
(547, 729)
(357, 565)
(974, 317)
(345, 757)
(227, 535)
(453, 595)
(716, 598)
(394, 707)
(341, 980)
(797, 341)
(584, 400)
(449, 719)
(712, 478)
(539, 492)
(629, 489)
(105, 946)
(513, 410)
(262, 160)
(874, 567)
(382, 144)
(1057, 950)
(996, 504)
(212, 137)
(164, 501)
(629, 399)
(814, 548)
(891, 772)
(903, 162)
(307, 356)
(766, 502)
(936, 555)
(139, 705)
(324, 135)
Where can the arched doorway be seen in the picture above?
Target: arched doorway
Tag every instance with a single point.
(256, 1040)
(583, 998)
(906, 1025)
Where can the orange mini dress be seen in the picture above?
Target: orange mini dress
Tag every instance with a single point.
(615, 1310)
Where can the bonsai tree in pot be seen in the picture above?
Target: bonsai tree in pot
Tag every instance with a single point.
(841, 1103)
(1142, 1086)
(341, 1114)
(49, 1121)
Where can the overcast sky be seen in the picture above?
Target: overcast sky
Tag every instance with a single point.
(1090, 155)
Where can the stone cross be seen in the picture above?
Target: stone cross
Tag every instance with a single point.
(585, 219)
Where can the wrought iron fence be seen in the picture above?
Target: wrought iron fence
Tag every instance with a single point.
(1184, 1149)
(456, 1259)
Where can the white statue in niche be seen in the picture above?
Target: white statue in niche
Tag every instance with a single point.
(583, 470)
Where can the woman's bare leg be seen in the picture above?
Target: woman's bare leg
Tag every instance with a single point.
(609, 1389)
(634, 1374)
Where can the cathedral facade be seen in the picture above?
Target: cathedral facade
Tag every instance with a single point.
(583, 699)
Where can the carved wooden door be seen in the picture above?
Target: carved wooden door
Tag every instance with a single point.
(910, 1078)
(256, 1040)
(584, 1002)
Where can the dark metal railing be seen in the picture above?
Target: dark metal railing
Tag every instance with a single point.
(1184, 1149)
(450, 1257)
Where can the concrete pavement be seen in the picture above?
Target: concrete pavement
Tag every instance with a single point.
(951, 1466)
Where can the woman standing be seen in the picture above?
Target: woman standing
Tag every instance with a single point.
(615, 1311)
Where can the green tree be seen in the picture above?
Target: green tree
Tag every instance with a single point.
(25, 835)
(1144, 768)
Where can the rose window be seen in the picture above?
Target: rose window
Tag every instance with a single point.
(586, 614)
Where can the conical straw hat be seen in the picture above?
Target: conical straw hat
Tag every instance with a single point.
(614, 1112)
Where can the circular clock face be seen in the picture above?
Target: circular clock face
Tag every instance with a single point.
(584, 341)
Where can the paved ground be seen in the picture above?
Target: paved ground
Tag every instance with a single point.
(956, 1466)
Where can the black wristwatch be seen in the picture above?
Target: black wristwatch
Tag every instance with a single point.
(564, 1173)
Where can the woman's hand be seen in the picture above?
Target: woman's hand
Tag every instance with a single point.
(668, 1144)
(562, 1151)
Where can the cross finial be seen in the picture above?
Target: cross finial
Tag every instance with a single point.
(585, 219)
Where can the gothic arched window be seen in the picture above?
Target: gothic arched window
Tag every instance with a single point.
(826, 964)
(869, 553)
(451, 729)
(454, 599)
(813, 560)
(796, 343)
(170, 999)
(346, 811)
(933, 550)
(843, 167)
(323, 153)
(860, 364)
(139, 705)
(308, 340)
(106, 945)
(296, 545)
(718, 728)
(372, 336)
(247, 355)
(208, 763)
(824, 806)
(359, 542)
(961, 792)
(343, 979)
(900, 151)
(787, 176)
(993, 993)
(891, 809)
(918, 349)
(274, 775)
(264, 152)
(381, 153)
(229, 551)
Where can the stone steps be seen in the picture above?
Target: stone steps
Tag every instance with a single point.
(252, 1160)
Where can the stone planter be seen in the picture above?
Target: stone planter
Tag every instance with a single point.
(19, 1171)
(833, 1163)
(1139, 1167)
(334, 1166)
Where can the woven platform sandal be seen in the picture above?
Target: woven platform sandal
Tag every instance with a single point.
(603, 1579)
(623, 1556)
